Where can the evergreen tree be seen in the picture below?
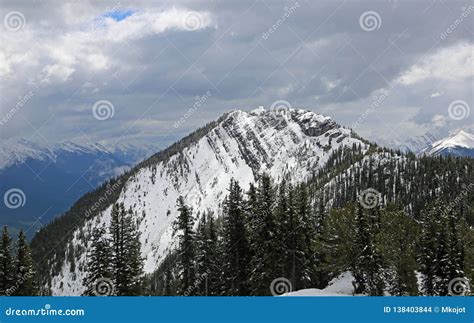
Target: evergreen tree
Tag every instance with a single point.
(427, 257)
(99, 263)
(6, 263)
(186, 248)
(368, 265)
(266, 259)
(127, 261)
(304, 236)
(235, 253)
(336, 242)
(207, 270)
(25, 273)
(397, 243)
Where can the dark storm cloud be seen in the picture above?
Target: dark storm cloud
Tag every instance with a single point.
(152, 68)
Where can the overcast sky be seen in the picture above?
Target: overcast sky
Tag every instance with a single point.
(144, 71)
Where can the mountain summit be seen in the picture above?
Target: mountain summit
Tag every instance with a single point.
(240, 144)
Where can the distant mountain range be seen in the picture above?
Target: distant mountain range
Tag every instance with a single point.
(460, 143)
(437, 141)
(50, 178)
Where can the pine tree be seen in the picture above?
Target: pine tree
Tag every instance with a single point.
(6, 263)
(337, 244)
(397, 243)
(368, 265)
(266, 259)
(207, 267)
(186, 249)
(235, 253)
(304, 237)
(25, 273)
(427, 257)
(99, 263)
(127, 261)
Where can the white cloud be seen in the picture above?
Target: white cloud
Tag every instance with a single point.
(436, 94)
(438, 120)
(57, 72)
(448, 64)
(76, 48)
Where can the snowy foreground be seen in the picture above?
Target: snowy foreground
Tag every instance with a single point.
(340, 286)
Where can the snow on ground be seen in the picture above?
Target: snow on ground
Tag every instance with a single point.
(339, 286)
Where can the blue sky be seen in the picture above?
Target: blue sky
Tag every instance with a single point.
(392, 69)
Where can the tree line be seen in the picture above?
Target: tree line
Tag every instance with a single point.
(276, 230)
(17, 273)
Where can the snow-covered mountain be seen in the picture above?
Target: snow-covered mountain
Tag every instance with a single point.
(199, 167)
(17, 151)
(460, 143)
(417, 144)
(53, 177)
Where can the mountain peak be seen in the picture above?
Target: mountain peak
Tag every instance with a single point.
(241, 144)
(461, 143)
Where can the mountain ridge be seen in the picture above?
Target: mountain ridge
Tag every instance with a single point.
(240, 144)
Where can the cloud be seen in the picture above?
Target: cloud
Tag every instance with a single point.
(152, 59)
(448, 64)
